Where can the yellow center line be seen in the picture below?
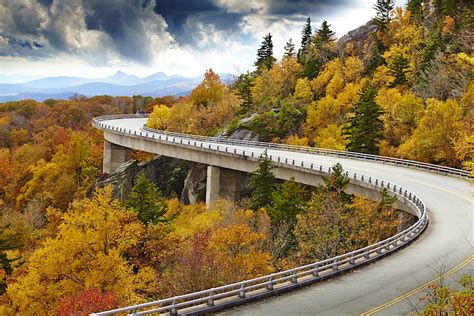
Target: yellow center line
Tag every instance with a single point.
(418, 289)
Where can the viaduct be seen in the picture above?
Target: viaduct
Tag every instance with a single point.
(437, 195)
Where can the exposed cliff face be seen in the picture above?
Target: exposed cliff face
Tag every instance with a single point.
(194, 189)
(167, 173)
(358, 36)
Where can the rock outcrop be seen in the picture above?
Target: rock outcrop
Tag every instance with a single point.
(194, 189)
(358, 36)
(167, 173)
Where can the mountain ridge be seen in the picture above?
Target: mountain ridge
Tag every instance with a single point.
(119, 84)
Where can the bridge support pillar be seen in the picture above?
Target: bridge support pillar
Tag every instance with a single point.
(114, 156)
(222, 182)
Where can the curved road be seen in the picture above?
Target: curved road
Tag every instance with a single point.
(446, 244)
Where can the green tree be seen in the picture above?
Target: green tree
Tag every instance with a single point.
(289, 49)
(146, 199)
(416, 9)
(324, 34)
(336, 182)
(399, 68)
(365, 128)
(265, 57)
(244, 91)
(7, 242)
(262, 181)
(382, 13)
(306, 35)
(288, 200)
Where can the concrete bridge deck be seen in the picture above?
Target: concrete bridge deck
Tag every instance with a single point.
(446, 244)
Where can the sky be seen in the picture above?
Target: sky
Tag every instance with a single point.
(96, 38)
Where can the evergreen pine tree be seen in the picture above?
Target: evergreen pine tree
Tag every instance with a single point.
(324, 34)
(337, 182)
(262, 181)
(265, 57)
(288, 201)
(244, 91)
(146, 199)
(416, 9)
(306, 35)
(7, 242)
(364, 129)
(399, 69)
(289, 49)
(382, 15)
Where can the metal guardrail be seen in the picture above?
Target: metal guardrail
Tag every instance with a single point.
(241, 292)
(320, 151)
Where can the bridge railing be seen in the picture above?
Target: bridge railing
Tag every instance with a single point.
(241, 292)
(296, 148)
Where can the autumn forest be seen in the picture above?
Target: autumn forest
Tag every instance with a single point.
(68, 246)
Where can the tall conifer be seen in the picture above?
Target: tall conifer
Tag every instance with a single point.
(365, 128)
(265, 57)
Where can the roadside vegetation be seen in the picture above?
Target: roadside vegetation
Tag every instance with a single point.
(404, 91)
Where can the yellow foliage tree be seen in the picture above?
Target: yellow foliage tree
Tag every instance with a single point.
(433, 139)
(401, 114)
(158, 119)
(86, 253)
(331, 137)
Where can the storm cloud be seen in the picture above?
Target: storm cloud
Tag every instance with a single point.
(93, 29)
(137, 31)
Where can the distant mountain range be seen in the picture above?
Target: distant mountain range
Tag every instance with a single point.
(17, 87)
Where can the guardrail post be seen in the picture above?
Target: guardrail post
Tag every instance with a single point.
(293, 277)
(210, 300)
(270, 285)
(335, 266)
(242, 291)
(352, 260)
(316, 271)
(173, 310)
(133, 312)
(367, 254)
(379, 250)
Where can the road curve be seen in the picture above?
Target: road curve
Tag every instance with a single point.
(447, 242)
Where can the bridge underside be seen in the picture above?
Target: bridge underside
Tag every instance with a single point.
(224, 169)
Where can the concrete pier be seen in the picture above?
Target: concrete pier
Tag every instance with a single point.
(114, 156)
(223, 183)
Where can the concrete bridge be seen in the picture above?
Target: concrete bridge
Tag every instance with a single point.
(420, 188)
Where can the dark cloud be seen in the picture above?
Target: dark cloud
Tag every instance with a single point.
(87, 27)
(304, 7)
(97, 29)
(122, 21)
(183, 15)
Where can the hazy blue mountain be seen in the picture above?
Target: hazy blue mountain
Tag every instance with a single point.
(36, 96)
(17, 78)
(120, 84)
